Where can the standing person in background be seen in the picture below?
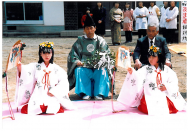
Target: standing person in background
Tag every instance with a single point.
(171, 22)
(154, 13)
(128, 22)
(84, 16)
(163, 17)
(140, 14)
(99, 16)
(116, 17)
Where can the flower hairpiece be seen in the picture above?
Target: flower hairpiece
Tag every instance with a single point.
(47, 44)
(153, 50)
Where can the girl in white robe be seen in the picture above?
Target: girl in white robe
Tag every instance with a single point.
(42, 87)
(153, 88)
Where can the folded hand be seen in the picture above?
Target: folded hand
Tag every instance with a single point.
(50, 94)
(79, 63)
(168, 20)
(130, 70)
(162, 87)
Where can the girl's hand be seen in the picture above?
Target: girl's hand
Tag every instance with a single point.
(130, 70)
(19, 66)
(50, 94)
(162, 87)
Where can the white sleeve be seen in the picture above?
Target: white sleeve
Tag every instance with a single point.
(62, 87)
(173, 91)
(166, 14)
(132, 89)
(25, 84)
(61, 90)
(146, 12)
(172, 82)
(176, 11)
(135, 13)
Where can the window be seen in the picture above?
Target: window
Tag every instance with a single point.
(24, 12)
(33, 11)
(14, 11)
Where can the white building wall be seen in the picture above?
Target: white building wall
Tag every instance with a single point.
(53, 13)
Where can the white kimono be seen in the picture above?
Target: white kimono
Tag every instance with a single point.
(163, 17)
(172, 14)
(141, 23)
(35, 81)
(143, 81)
(152, 18)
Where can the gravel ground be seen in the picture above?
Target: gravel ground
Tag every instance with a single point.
(62, 48)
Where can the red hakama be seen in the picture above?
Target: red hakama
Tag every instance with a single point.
(143, 106)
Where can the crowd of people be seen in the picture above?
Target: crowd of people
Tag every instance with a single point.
(143, 16)
(43, 87)
(166, 18)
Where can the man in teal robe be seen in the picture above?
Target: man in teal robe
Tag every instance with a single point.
(88, 81)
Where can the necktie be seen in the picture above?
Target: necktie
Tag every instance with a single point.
(151, 43)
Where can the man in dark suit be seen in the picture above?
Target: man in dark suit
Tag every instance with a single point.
(141, 50)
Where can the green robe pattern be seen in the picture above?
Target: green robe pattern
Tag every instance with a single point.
(82, 49)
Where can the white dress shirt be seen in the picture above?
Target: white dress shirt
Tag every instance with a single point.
(150, 41)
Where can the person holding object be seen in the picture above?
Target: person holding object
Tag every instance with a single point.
(42, 87)
(116, 19)
(140, 14)
(171, 22)
(128, 22)
(157, 91)
(143, 44)
(87, 80)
